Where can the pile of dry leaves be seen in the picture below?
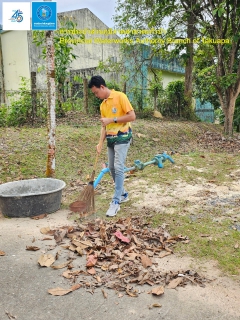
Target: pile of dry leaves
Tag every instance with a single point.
(216, 142)
(120, 255)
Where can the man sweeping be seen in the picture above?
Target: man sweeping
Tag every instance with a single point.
(116, 116)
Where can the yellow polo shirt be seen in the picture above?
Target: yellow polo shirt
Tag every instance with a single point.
(116, 105)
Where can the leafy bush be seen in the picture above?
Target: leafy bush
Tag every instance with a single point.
(174, 104)
(146, 113)
(20, 110)
(21, 105)
(3, 115)
(73, 105)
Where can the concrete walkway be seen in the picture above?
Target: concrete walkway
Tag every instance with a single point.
(24, 285)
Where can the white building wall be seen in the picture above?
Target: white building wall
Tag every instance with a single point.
(15, 58)
(88, 55)
(170, 76)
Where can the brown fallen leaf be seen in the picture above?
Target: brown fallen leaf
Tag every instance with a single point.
(82, 244)
(67, 274)
(91, 271)
(61, 292)
(104, 294)
(45, 230)
(46, 260)
(140, 135)
(132, 293)
(71, 274)
(163, 254)
(62, 265)
(131, 255)
(158, 290)
(32, 248)
(59, 235)
(76, 286)
(92, 260)
(113, 267)
(135, 239)
(79, 251)
(104, 267)
(102, 231)
(146, 261)
(235, 247)
(174, 283)
(155, 305)
(70, 247)
(41, 216)
(2, 253)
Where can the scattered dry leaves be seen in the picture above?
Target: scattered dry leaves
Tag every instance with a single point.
(119, 255)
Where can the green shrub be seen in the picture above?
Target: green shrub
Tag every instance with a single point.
(20, 104)
(73, 105)
(3, 115)
(20, 110)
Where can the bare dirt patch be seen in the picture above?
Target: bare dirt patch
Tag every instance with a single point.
(198, 195)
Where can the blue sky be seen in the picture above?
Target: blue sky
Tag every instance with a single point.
(103, 9)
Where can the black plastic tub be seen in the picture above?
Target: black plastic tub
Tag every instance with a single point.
(27, 198)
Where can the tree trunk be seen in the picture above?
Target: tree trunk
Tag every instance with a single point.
(228, 110)
(155, 99)
(2, 80)
(227, 100)
(34, 95)
(85, 94)
(51, 99)
(179, 105)
(189, 63)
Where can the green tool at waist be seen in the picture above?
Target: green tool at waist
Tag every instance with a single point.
(121, 137)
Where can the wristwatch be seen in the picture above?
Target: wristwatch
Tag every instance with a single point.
(115, 119)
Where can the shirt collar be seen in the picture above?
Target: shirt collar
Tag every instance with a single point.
(111, 95)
